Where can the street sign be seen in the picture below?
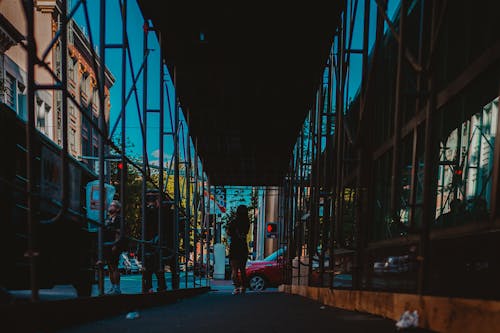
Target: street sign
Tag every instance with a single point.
(220, 198)
(92, 201)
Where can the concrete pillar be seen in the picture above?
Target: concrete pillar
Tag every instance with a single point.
(271, 215)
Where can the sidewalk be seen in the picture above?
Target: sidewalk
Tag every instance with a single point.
(219, 311)
(226, 286)
(221, 285)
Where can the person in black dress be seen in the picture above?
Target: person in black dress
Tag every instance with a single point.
(237, 230)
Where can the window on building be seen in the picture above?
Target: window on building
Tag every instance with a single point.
(57, 60)
(10, 91)
(465, 169)
(41, 116)
(95, 100)
(71, 109)
(85, 139)
(84, 85)
(21, 101)
(72, 69)
(72, 139)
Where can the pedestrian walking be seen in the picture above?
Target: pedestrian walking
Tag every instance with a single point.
(237, 231)
(151, 263)
(114, 244)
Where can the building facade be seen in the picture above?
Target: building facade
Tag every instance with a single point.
(82, 67)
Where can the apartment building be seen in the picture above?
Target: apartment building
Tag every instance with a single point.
(83, 69)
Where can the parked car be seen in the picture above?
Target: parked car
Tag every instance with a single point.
(392, 265)
(378, 267)
(265, 273)
(397, 264)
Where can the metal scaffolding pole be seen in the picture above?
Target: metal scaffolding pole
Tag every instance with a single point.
(161, 211)
(325, 183)
(123, 174)
(363, 161)
(329, 199)
(177, 197)
(398, 109)
(211, 226)
(30, 128)
(102, 128)
(187, 176)
(317, 174)
(311, 247)
(144, 184)
(288, 185)
(196, 197)
(429, 161)
(203, 222)
(418, 106)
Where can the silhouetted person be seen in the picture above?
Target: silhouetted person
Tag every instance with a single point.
(237, 230)
(151, 262)
(113, 245)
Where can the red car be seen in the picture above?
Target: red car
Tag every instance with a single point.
(267, 272)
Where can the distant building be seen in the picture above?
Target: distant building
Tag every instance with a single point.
(82, 78)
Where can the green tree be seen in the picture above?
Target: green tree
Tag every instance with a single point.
(132, 201)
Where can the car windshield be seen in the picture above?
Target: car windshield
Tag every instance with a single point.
(274, 256)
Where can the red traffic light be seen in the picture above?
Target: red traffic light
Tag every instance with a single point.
(271, 228)
(458, 172)
(120, 165)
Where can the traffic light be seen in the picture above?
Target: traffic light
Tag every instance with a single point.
(121, 169)
(271, 230)
(457, 177)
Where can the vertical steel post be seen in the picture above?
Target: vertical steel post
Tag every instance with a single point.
(328, 221)
(289, 218)
(30, 128)
(312, 193)
(363, 160)
(195, 211)
(418, 105)
(64, 107)
(317, 175)
(336, 230)
(429, 169)
(339, 128)
(203, 222)
(210, 232)
(102, 128)
(187, 176)
(123, 174)
(398, 106)
(301, 209)
(161, 210)
(144, 140)
(177, 198)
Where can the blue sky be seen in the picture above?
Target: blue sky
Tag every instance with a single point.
(135, 23)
